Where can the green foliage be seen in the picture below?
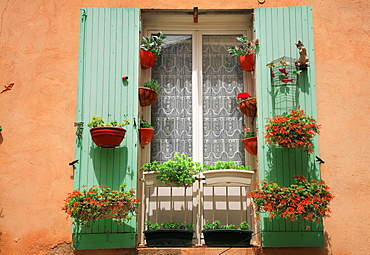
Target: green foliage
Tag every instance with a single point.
(153, 43)
(225, 165)
(153, 84)
(101, 202)
(99, 122)
(181, 171)
(169, 225)
(217, 225)
(145, 124)
(247, 47)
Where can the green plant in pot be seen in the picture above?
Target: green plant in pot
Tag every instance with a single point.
(86, 206)
(181, 171)
(150, 48)
(246, 52)
(216, 234)
(227, 173)
(108, 135)
(169, 234)
(148, 93)
(146, 132)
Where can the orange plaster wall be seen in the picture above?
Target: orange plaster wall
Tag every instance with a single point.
(39, 52)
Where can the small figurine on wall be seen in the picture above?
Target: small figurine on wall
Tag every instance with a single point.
(303, 58)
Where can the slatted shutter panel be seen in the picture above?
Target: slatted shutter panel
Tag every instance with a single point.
(109, 49)
(278, 29)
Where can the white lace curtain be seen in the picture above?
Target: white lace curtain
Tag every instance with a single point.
(172, 114)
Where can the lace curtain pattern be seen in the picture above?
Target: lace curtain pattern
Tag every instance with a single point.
(172, 113)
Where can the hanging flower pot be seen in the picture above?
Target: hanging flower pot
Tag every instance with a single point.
(247, 62)
(248, 106)
(145, 135)
(147, 59)
(107, 137)
(250, 144)
(147, 96)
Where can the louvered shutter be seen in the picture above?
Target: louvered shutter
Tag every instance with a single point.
(109, 49)
(278, 29)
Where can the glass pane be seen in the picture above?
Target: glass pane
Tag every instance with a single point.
(222, 81)
(172, 113)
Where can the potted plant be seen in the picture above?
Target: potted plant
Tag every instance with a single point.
(250, 141)
(149, 49)
(86, 206)
(292, 130)
(146, 132)
(302, 200)
(108, 136)
(148, 93)
(216, 234)
(227, 173)
(172, 234)
(179, 172)
(246, 52)
(247, 104)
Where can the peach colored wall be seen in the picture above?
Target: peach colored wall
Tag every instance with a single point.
(39, 52)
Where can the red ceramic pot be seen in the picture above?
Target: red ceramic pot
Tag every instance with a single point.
(146, 135)
(247, 62)
(147, 59)
(250, 144)
(107, 137)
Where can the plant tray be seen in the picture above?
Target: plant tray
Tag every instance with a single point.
(169, 237)
(227, 237)
(228, 177)
(151, 180)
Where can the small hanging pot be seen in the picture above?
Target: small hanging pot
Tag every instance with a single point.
(147, 59)
(107, 137)
(146, 135)
(247, 62)
(250, 144)
(147, 96)
(248, 107)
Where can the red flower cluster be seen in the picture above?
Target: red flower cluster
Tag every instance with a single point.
(293, 130)
(100, 202)
(303, 200)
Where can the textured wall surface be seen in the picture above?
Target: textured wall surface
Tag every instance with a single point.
(39, 53)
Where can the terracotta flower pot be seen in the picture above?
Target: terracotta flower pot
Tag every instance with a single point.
(147, 96)
(248, 107)
(247, 62)
(107, 137)
(146, 135)
(147, 59)
(250, 144)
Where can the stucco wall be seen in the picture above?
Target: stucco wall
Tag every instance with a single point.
(39, 51)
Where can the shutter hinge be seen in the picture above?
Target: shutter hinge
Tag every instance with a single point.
(79, 129)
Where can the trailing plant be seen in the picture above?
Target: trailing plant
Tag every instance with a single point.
(100, 202)
(181, 171)
(247, 133)
(302, 200)
(247, 47)
(217, 225)
(292, 130)
(153, 84)
(169, 225)
(225, 165)
(145, 124)
(99, 122)
(153, 43)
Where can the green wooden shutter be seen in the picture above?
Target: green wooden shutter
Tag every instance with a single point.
(278, 29)
(109, 49)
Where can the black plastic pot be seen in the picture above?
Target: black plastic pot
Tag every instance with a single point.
(227, 237)
(169, 237)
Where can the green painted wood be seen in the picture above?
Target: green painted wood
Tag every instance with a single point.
(112, 241)
(278, 29)
(293, 239)
(108, 50)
